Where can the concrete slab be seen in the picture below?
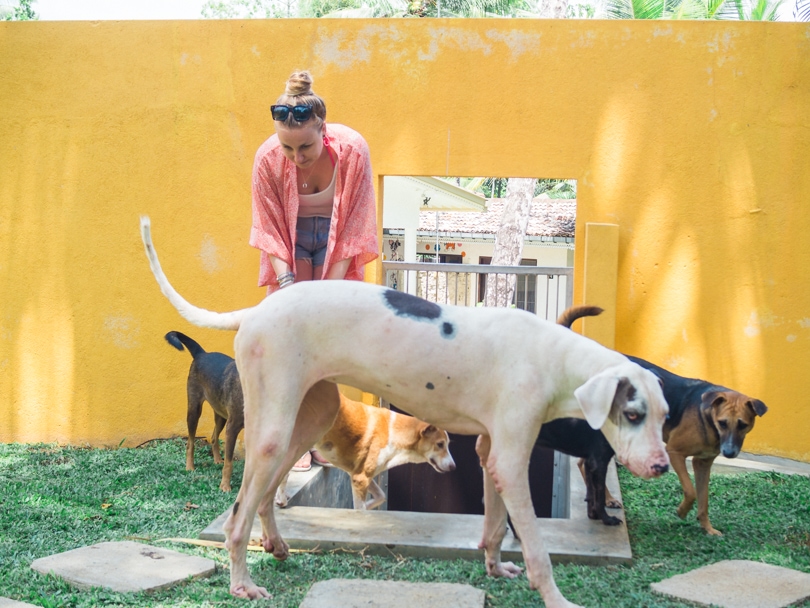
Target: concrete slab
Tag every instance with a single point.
(439, 535)
(348, 593)
(124, 566)
(745, 463)
(445, 536)
(9, 603)
(319, 487)
(727, 584)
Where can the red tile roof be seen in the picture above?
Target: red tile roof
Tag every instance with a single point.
(549, 217)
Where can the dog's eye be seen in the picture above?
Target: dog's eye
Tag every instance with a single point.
(722, 424)
(440, 445)
(634, 417)
(741, 426)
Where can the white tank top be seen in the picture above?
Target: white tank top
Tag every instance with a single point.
(318, 204)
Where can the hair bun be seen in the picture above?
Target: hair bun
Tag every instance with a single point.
(299, 83)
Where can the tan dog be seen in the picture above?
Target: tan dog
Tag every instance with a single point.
(716, 423)
(364, 441)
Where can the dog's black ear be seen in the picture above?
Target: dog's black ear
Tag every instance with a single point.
(758, 407)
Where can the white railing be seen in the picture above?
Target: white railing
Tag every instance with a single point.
(543, 290)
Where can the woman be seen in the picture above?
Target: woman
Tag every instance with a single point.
(314, 210)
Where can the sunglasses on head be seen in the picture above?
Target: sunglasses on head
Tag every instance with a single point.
(299, 113)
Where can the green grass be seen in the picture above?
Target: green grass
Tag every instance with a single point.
(53, 499)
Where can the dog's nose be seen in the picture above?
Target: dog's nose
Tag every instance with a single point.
(730, 452)
(660, 469)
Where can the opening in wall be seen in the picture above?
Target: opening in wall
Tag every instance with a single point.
(439, 239)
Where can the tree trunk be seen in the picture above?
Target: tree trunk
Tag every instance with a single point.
(509, 240)
(552, 9)
(558, 9)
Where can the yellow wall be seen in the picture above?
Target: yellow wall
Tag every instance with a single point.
(693, 138)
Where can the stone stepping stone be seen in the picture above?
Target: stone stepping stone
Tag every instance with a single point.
(738, 584)
(124, 566)
(349, 593)
(9, 603)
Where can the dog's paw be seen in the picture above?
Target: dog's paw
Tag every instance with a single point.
(225, 487)
(279, 549)
(711, 531)
(503, 569)
(609, 520)
(281, 499)
(613, 504)
(249, 591)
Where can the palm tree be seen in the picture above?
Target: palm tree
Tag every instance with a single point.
(744, 10)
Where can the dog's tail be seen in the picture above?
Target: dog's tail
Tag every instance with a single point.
(193, 314)
(573, 313)
(178, 340)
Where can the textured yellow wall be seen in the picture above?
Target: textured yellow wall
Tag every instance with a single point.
(693, 138)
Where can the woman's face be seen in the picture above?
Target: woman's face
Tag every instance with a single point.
(303, 145)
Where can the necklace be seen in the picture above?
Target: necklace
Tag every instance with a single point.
(304, 184)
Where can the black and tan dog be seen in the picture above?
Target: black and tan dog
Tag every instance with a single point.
(704, 421)
(212, 378)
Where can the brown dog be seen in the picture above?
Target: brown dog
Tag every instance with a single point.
(364, 441)
(717, 423)
(212, 377)
(704, 421)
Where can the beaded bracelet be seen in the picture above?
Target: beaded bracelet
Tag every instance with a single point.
(285, 279)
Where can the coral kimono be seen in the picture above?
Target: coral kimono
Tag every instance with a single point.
(353, 231)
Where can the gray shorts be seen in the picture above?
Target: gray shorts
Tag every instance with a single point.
(311, 236)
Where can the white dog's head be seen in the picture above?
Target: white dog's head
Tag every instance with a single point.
(626, 402)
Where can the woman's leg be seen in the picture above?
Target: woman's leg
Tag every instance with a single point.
(303, 270)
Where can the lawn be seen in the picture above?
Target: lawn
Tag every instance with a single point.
(57, 498)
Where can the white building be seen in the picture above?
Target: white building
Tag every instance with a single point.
(423, 216)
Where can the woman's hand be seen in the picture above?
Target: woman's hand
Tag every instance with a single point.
(339, 269)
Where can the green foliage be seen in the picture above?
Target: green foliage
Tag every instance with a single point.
(495, 187)
(320, 8)
(22, 12)
(580, 11)
(744, 10)
(249, 9)
(758, 10)
(556, 188)
(463, 8)
(246, 9)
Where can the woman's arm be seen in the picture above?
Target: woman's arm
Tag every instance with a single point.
(338, 269)
(270, 232)
(356, 242)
